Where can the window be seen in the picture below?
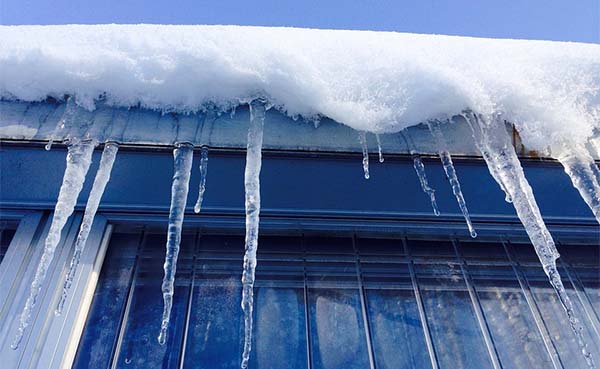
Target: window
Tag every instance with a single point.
(7, 231)
(339, 302)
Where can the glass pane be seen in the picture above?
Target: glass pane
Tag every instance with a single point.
(215, 335)
(397, 333)
(140, 347)
(514, 332)
(555, 318)
(279, 339)
(338, 338)
(455, 332)
(99, 337)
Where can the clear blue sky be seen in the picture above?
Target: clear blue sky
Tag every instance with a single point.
(568, 20)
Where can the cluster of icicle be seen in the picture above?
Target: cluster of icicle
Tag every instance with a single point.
(491, 138)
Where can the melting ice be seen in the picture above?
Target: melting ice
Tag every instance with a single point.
(494, 143)
(434, 128)
(182, 162)
(79, 157)
(203, 170)
(362, 138)
(102, 176)
(252, 188)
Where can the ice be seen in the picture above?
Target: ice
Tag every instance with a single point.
(421, 174)
(434, 128)
(79, 157)
(203, 170)
(493, 140)
(584, 173)
(68, 116)
(379, 150)
(362, 138)
(182, 163)
(252, 187)
(102, 177)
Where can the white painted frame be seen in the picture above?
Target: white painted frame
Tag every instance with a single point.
(50, 342)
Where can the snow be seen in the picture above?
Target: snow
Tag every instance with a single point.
(372, 81)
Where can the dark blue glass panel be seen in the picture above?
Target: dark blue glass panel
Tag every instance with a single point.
(99, 336)
(140, 347)
(338, 339)
(517, 339)
(456, 335)
(215, 335)
(397, 333)
(279, 329)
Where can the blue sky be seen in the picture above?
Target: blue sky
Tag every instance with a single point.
(565, 20)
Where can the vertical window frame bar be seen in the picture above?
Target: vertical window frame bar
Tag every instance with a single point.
(420, 306)
(363, 305)
(479, 314)
(116, 349)
(306, 305)
(190, 303)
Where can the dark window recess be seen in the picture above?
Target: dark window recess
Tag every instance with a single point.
(7, 232)
(333, 303)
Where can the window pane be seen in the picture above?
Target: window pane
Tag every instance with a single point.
(518, 341)
(140, 348)
(337, 330)
(455, 332)
(215, 335)
(104, 319)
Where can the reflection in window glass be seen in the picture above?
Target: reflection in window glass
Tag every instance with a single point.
(337, 330)
(309, 298)
(456, 335)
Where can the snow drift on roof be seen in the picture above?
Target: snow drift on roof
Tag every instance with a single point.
(371, 81)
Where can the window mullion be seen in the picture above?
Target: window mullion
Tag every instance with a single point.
(363, 304)
(421, 308)
(116, 350)
(188, 311)
(306, 307)
(487, 337)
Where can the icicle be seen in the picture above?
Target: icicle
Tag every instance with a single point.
(493, 141)
(584, 174)
(446, 159)
(420, 170)
(67, 117)
(79, 157)
(362, 138)
(203, 169)
(379, 150)
(252, 187)
(102, 176)
(182, 162)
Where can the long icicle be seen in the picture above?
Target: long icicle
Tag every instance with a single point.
(421, 174)
(362, 138)
(182, 163)
(79, 157)
(203, 171)
(434, 128)
(493, 141)
(102, 177)
(583, 171)
(252, 188)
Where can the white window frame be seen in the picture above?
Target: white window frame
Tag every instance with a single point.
(50, 341)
